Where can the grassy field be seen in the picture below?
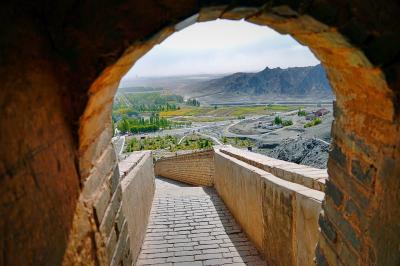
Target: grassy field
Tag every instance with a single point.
(228, 111)
(186, 111)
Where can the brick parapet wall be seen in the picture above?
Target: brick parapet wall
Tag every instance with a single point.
(301, 174)
(279, 216)
(134, 175)
(196, 168)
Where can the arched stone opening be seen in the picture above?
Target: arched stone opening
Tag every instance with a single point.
(358, 124)
(362, 212)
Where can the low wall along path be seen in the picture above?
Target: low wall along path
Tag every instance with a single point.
(190, 225)
(253, 205)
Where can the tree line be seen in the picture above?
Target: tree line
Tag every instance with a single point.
(142, 125)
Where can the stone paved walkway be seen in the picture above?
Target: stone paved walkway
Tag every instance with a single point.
(192, 226)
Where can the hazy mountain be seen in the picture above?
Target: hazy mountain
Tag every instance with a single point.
(304, 83)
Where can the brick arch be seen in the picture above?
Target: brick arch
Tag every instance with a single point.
(365, 130)
(56, 126)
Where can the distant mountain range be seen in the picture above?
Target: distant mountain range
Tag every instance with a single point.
(295, 83)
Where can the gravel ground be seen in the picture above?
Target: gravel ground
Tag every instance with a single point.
(311, 152)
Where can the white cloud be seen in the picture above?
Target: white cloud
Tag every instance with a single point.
(220, 34)
(222, 46)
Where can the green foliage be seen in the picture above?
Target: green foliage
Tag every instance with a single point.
(277, 107)
(132, 104)
(301, 112)
(141, 125)
(239, 142)
(315, 122)
(286, 123)
(169, 143)
(277, 120)
(241, 117)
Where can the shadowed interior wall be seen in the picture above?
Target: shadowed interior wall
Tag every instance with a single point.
(39, 177)
(60, 64)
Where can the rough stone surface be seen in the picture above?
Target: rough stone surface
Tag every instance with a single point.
(192, 226)
(137, 196)
(309, 152)
(60, 65)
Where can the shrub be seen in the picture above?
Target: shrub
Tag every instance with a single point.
(286, 123)
(277, 120)
(301, 112)
(315, 122)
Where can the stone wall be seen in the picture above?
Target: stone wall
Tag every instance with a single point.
(195, 168)
(137, 197)
(276, 203)
(55, 125)
(240, 187)
(122, 207)
(279, 216)
(300, 174)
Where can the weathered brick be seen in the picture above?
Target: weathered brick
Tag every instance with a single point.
(194, 168)
(343, 226)
(350, 140)
(187, 253)
(208, 256)
(180, 259)
(101, 204)
(338, 156)
(327, 228)
(364, 174)
(217, 261)
(157, 261)
(193, 263)
(102, 169)
(193, 245)
(127, 258)
(344, 180)
(320, 257)
(110, 244)
(109, 217)
(118, 252)
(352, 209)
(334, 193)
(114, 179)
(119, 220)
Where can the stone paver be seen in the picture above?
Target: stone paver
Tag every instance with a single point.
(192, 226)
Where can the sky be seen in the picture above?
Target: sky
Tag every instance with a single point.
(221, 47)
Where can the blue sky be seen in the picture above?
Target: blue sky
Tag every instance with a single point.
(221, 47)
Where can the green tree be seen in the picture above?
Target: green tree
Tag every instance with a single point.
(286, 123)
(277, 120)
(301, 112)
